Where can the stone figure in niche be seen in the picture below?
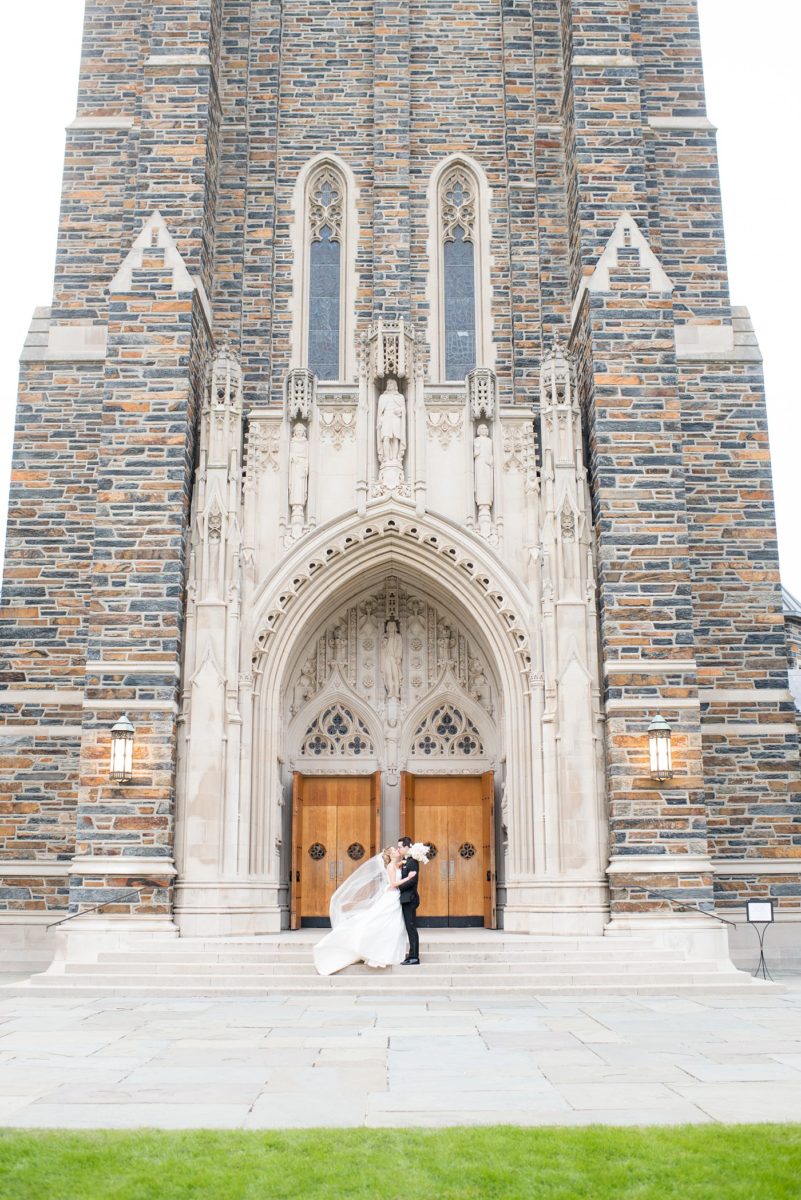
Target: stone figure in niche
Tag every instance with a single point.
(298, 478)
(479, 687)
(391, 433)
(392, 660)
(305, 686)
(483, 466)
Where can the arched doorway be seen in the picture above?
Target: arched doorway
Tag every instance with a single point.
(392, 700)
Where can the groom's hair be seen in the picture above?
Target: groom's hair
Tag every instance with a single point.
(404, 841)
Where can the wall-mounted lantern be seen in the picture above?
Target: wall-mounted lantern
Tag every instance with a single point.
(659, 747)
(121, 764)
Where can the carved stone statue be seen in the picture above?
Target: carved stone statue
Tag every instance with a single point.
(298, 477)
(392, 660)
(479, 686)
(305, 685)
(483, 465)
(391, 433)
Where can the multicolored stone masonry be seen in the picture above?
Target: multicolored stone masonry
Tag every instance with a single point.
(182, 227)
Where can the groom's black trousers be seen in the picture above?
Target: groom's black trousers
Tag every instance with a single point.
(410, 921)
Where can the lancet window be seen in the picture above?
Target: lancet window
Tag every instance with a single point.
(325, 227)
(458, 218)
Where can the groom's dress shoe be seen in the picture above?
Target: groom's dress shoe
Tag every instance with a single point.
(411, 962)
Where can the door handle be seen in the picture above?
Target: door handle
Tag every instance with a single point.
(444, 870)
(341, 871)
(332, 870)
(452, 867)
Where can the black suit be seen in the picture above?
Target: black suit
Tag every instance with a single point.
(410, 900)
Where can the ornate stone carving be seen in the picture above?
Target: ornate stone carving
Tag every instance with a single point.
(519, 448)
(458, 204)
(337, 425)
(482, 392)
(447, 733)
(443, 424)
(392, 648)
(436, 541)
(390, 426)
(299, 392)
(337, 733)
(263, 446)
(326, 193)
(389, 350)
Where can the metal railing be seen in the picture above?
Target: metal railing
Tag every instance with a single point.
(118, 899)
(635, 887)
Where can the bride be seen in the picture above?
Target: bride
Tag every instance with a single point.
(366, 919)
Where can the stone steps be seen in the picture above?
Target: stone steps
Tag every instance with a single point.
(455, 963)
(285, 970)
(689, 985)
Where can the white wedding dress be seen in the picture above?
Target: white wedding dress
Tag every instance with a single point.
(366, 922)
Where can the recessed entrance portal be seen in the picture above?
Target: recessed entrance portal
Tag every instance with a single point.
(335, 828)
(455, 815)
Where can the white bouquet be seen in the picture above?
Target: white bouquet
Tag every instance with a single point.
(419, 851)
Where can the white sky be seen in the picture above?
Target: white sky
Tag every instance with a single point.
(751, 57)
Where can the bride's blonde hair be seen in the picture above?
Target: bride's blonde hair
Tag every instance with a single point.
(386, 856)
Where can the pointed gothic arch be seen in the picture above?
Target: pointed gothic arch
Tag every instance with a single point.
(324, 237)
(316, 577)
(459, 273)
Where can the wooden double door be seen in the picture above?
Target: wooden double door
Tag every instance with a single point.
(336, 826)
(455, 815)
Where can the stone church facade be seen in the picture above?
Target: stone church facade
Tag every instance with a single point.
(392, 454)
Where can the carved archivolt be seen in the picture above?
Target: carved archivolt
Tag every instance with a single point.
(434, 540)
(337, 733)
(447, 733)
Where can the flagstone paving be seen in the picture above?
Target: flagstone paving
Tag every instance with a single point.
(281, 1062)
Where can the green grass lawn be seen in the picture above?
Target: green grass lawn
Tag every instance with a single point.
(734, 1162)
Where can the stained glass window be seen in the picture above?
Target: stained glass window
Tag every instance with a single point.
(325, 223)
(324, 306)
(458, 205)
(460, 306)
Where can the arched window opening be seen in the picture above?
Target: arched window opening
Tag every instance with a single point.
(457, 207)
(325, 209)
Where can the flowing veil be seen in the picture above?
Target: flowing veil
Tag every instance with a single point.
(359, 891)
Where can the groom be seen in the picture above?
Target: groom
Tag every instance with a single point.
(410, 900)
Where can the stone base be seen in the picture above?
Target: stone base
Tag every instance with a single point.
(85, 938)
(241, 908)
(557, 907)
(697, 936)
(27, 942)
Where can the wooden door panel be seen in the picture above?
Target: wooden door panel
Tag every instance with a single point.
(449, 811)
(431, 826)
(334, 812)
(318, 874)
(354, 832)
(465, 839)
